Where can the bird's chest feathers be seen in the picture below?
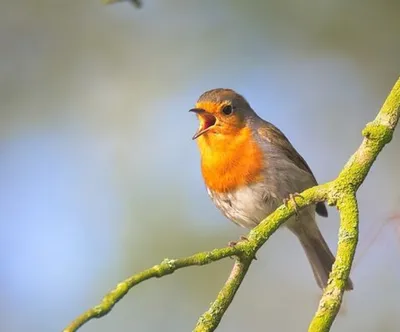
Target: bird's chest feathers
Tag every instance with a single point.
(229, 162)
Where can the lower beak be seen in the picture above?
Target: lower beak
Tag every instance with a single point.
(207, 121)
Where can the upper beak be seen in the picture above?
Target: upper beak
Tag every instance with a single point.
(207, 120)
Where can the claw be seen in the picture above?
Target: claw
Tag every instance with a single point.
(292, 199)
(234, 243)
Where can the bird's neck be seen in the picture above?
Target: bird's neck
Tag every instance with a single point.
(229, 162)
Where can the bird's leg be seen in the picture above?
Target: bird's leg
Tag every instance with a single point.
(234, 243)
(292, 199)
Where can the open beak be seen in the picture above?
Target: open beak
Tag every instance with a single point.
(207, 121)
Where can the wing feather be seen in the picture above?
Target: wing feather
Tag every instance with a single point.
(272, 134)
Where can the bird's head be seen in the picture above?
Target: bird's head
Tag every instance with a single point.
(222, 113)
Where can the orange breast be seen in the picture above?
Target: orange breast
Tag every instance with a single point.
(229, 162)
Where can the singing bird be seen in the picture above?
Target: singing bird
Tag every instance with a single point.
(250, 167)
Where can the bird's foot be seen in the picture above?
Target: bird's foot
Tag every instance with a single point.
(292, 199)
(234, 243)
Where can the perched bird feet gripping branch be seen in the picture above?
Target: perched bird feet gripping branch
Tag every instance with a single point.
(293, 200)
(234, 243)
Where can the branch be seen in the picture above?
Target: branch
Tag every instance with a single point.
(376, 135)
(136, 3)
(341, 192)
(167, 266)
(210, 319)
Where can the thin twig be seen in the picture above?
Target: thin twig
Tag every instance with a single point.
(211, 318)
(136, 3)
(166, 267)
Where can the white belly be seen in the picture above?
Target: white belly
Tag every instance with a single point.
(247, 206)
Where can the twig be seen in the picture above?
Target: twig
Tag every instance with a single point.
(166, 267)
(136, 3)
(211, 318)
(376, 135)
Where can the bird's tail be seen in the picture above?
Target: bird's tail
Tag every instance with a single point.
(318, 253)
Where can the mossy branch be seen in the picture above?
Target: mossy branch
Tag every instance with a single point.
(376, 134)
(340, 192)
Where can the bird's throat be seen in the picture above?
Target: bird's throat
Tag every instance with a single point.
(229, 162)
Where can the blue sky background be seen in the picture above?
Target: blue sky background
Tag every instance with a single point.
(100, 178)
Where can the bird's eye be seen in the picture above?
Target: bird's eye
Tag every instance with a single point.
(227, 110)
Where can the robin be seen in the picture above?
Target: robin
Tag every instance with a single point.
(250, 167)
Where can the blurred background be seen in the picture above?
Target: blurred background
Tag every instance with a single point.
(100, 178)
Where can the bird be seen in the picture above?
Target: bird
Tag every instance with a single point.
(250, 167)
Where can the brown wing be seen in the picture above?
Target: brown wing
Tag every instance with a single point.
(273, 134)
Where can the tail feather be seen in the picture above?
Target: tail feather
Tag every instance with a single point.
(318, 253)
